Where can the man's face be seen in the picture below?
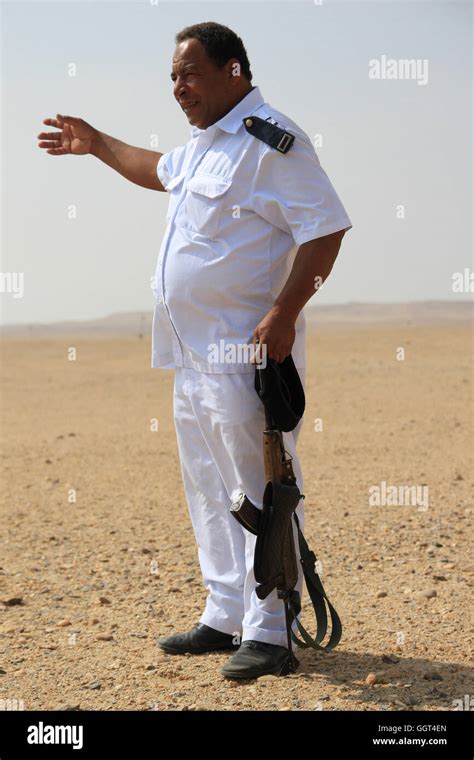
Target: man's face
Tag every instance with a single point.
(205, 92)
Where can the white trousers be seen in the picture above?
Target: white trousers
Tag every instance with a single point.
(219, 421)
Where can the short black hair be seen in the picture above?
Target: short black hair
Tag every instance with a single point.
(220, 43)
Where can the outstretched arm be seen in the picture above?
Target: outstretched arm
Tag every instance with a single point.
(77, 137)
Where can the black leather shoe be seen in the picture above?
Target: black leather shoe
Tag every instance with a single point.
(200, 639)
(256, 658)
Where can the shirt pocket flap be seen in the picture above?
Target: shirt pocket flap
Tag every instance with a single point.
(208, 185)
(174, 182)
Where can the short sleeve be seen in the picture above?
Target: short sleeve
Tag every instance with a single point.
(293, 192)
(169, 165)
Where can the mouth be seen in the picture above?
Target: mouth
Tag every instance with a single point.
(188, 106)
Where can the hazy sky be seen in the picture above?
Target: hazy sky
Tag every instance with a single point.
(386, 142)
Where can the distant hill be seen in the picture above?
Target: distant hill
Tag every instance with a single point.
(135, 323)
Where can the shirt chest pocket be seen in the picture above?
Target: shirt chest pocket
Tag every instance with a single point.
(173, 188)
(207, 200)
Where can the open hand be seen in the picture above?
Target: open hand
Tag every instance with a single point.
(76, 136)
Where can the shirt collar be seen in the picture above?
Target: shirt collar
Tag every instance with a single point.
(233, 119)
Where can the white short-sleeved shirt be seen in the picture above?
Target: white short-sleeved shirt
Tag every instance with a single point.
(238, 211)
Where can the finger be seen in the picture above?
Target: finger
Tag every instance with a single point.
(67, 138)
(57, 152)
(53, 141)
(70, 119)
(49, 144)
(260, 352)
(53, 123)
(254, 342)
(49, 136)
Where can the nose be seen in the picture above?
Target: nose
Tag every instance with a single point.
(178, 89)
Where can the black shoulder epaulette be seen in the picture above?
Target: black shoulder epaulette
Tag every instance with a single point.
(269, 133)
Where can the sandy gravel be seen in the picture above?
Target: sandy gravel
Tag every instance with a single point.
(88, 586)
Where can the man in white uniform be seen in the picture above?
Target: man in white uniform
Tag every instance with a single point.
(253, 228)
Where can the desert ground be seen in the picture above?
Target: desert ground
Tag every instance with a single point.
(98, 558)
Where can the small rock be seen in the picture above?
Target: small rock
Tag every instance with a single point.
(93, 685)
(13, 601)
(390, 658)
(371, 679)
(429, 594)
(104, 600)
(64, 623)
(433, 677)
(104, 637)
(381, 594)
(69, 707)
(399, 702)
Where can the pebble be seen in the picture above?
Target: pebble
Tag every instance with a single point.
(13, 601)
(105, 637)
(104, 600)
(371, 679)
(429, 594)
(381, 594)
(390, 658)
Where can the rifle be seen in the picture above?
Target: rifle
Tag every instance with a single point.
(275, 563)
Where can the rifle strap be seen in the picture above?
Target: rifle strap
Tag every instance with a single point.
(318, 598)
(249, 517)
